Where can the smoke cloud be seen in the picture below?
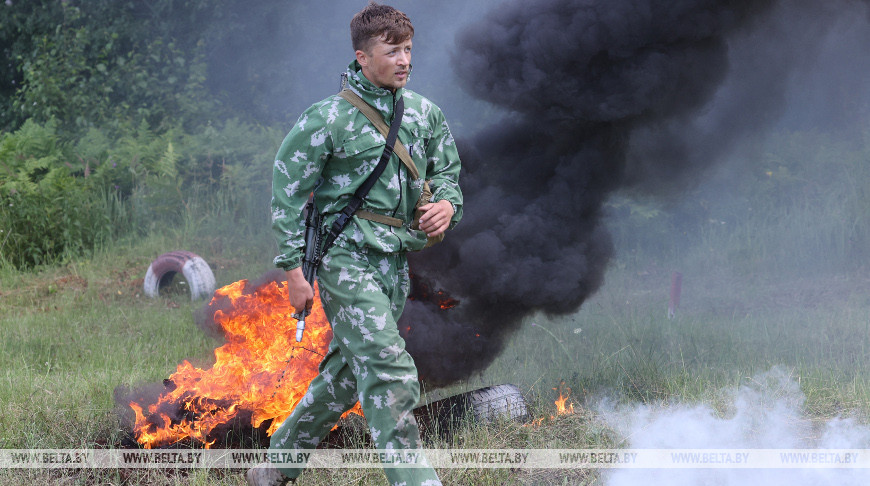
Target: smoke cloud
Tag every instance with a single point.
(601, 96)
(767, 413)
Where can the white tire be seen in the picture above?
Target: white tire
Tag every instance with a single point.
(499, 402)
(196, 272)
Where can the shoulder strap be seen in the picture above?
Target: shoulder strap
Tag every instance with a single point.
(356, 200)
(377, 119)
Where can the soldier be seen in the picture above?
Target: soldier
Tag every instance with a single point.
(363, 279)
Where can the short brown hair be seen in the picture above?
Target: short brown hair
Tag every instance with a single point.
(375, 21)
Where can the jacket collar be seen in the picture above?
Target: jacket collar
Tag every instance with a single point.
(380, 98)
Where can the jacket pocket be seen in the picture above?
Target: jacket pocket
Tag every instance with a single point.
(354, 159)
(363, 146)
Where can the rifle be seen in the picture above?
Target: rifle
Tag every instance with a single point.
(311, 257)
(313, 250)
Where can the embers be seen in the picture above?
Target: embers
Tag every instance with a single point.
(422, 290)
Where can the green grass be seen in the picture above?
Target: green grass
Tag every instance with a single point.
(724, 332)
(72, 334)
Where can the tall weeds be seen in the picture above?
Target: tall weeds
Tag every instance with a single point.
(62, 199)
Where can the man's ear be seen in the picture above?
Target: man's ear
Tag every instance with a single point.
(362, 58)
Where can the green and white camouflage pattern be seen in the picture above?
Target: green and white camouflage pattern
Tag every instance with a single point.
(335, 145)
(364, 280)
(363, 294)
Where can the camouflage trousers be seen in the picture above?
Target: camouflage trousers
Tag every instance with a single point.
(363, 294)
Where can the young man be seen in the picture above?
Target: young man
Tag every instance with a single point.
(363, 279)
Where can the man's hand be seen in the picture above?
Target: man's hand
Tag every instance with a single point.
(301, 292)
(436, 217)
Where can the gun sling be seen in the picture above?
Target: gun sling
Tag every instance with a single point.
(312, 256)
(377, 120)
(356, 200)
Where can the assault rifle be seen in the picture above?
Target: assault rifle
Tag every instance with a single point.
(311, 257)
(313, 249)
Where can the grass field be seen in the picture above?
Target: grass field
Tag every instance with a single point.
(72, 334)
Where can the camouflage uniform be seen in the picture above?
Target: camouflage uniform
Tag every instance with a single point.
(363, 280)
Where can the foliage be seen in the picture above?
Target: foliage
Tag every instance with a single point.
(45, 211)
(60, 200)
(99, 63)
(114, 122)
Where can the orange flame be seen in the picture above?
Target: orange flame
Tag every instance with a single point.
(422, 290)
(260, 369)
(561, 407)
(446, 302)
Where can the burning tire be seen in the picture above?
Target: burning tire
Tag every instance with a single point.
(196, 272)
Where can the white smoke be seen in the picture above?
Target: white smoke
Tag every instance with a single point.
(767, 413)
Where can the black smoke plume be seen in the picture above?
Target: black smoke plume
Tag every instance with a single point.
(600, 95)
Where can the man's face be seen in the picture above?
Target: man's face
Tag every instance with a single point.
(386, 65)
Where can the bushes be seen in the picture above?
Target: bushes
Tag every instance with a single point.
(97, 63)
(114, 120)
(60, 200)
(45, 210)
(101, 62)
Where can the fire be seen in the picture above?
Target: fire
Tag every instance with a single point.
(445, 301)
(261, 370)
(422, 290)
(563, 407)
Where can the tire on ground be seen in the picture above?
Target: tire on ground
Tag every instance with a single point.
(499, 402)
(196, 272)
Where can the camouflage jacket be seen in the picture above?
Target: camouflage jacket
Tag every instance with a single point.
(333, 148)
